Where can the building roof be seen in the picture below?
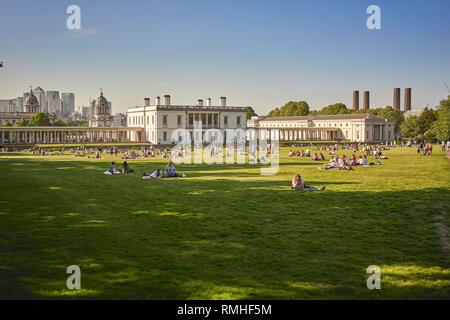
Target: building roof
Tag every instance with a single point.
(325, 117)
(31, 99)
(101, 100)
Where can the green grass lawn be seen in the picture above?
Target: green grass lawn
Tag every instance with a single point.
(225, 231)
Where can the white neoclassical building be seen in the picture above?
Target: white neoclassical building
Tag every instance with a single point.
(352, 127)
(160, 120)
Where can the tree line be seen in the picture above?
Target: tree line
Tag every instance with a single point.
(430, 125)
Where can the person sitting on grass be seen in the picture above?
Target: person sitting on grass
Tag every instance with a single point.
(353, 160)
(342, 163)
(315, 157)
(126, 168)
(171, 171)
(299, 184)
(112, 167)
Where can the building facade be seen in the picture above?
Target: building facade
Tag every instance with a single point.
(352, 127)
(54, 103)
(67, 104)
(31, 107)
(40, 95)
(102, 113)
(161, 121)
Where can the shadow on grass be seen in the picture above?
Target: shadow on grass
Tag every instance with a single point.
(225, 239)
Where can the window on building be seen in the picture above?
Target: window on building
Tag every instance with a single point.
(179, 120)
(165, 121)
(209, 119)
(191, 119)
(238, 120)
(153, 119)
(225, 120)
(165, 136)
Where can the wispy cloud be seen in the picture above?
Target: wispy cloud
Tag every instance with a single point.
(81, 33)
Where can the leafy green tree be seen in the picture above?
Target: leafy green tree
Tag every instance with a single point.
(391, 113)
(426, 120)
(40, 119)
(440, 129)
(410, 127)
(274, 113)
(294, 108)
(250, 112)
(59, 123)
(7, 124)
(21, 123)
(337, 108)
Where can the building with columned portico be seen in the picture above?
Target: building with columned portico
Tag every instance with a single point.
(352, 127)
(161, 119)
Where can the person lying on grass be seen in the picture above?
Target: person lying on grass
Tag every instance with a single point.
(126, 168)
(157, 174)
(299, 184)
(171, 171)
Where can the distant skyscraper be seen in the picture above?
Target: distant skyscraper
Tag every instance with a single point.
(40, 95)
(19, 104)
(85, 113)
(8, 105)
(91, 109)
(67, 104)
(53, 103)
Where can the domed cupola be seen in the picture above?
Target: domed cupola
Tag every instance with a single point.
(102, 106)
(31, 103)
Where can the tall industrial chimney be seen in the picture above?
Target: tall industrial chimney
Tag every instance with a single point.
(208, 102)
(396, 104)
(167, 100)
(407, 103)
(158, 101)
(366, 100)
(200, 102)
(147, 102)
(223, 102)
(356, 100)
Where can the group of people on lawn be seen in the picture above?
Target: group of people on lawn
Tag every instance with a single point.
(170, 171)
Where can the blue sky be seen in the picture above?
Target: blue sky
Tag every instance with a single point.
(258, 53)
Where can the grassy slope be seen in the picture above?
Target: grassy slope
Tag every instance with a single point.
(225, 232)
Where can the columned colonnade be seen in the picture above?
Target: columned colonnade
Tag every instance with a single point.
(302, 134)
(28, 135)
